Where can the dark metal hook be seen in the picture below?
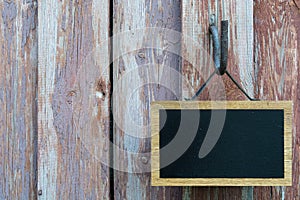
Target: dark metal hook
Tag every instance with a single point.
(220, 50)
(224, 47)
(216, 46)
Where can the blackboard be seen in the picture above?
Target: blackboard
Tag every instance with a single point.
(232, 143)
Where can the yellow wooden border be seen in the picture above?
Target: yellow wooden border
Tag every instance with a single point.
(285, 105)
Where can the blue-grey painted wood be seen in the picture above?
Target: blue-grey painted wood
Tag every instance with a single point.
(73, 99)
(18, 105)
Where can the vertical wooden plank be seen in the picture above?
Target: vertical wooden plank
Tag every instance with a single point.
(18, 107)
(277, 52)
(143, 71)
(198, 65)
(73, 99)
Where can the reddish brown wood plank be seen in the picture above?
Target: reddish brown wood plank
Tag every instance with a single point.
(277, 52)
(135, 67)
(18, 107)
(73, 95)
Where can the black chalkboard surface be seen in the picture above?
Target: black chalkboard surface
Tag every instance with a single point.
(243, 143)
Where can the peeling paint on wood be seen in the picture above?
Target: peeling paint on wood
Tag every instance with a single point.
(198, 63)
(18, 106)
(138, 70)
(277, 52)
(73, 119)
(73, 96)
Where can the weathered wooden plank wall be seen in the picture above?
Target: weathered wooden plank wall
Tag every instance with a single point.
(270, 74)
(138, 68)
(73, 99)
(74, 89)
(18, 106)
(276, 69)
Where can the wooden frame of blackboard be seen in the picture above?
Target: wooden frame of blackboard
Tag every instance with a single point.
(156, 180)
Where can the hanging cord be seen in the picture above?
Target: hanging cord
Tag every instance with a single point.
(203, 86)
(220, 63)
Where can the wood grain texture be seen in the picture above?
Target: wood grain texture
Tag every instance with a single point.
(240, 105)
(18, 106)
(142, 66)
(277, 52)
(71, 106)
(197, 47)
(198, 64)
(73, 99)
